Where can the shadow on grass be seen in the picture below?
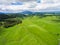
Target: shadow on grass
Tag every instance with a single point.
(2, 30)
(57, 21)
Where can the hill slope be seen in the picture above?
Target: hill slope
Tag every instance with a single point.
(33, 31)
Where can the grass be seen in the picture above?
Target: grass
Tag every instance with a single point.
(33, 31)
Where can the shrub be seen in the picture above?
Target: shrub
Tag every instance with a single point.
(0, 23)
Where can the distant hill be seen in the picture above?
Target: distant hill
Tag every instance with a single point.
(26, 12)
(30, 12)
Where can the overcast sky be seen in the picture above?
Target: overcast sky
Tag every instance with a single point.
(7, 1)
(31, 5)
(44, 1)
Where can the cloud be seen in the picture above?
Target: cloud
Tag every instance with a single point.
(34, 6)
(50, 1)
(25, 6)
(10, 1)
(26, 0)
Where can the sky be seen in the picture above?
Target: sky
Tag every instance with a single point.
(30, 5)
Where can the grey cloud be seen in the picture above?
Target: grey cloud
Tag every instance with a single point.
(26, 0)
(10, 1)
(15, 0)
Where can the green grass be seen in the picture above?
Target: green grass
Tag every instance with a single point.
(33, 31)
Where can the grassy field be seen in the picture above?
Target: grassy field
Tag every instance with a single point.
(33, 31)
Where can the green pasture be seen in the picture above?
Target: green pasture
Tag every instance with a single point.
(33, 31)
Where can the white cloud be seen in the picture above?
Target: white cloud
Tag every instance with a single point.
(11, 1)
(32, 6)
(17, 8)
(50, 1)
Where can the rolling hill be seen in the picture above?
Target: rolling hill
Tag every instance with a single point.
(33, 31)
